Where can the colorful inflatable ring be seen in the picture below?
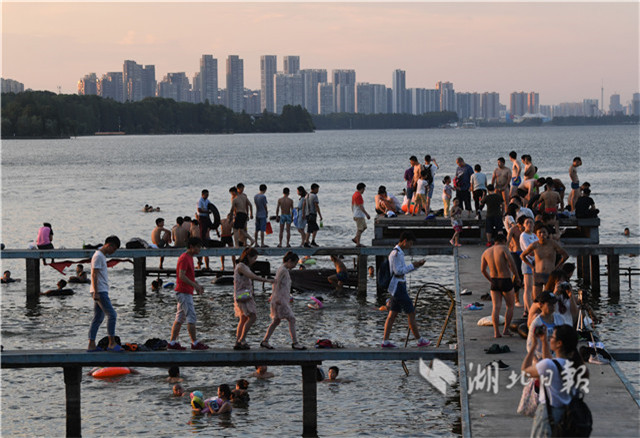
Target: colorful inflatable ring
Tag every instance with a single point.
(111, 372)
(168, 285)
(309, 262)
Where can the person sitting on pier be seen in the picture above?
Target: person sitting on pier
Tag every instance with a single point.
(60, 291)
(179, 234)
(341, 275)
(384, 204)
(585, 207)
(161, 237)
(185, 284)
(6, 278)
(280, 308)
(501, 270)
(45, 236)
(544, 250)
(81, 275)
(400, 300)
(262, 372)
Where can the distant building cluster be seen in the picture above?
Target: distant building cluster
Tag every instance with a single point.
(11, 86)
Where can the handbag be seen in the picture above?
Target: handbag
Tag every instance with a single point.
(529, 400)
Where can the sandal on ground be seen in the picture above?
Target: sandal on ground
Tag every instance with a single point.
(297, 346)
(265, 344)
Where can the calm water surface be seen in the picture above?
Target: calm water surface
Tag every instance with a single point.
(91, 187)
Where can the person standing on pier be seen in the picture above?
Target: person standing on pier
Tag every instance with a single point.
(262, 214)
(185, 284)
(179, 234)
(284, 215)
(516, 168)
(400, 300)
(203, 215)
(432, 167)
(462, 184)
(575, 182)
(409, 176)
(239, 208)
(544, 250)
(312, 206)
(100, 293)
(359, 213)
(527, 237)
(161, 237)
(500, 180)
(501, 270)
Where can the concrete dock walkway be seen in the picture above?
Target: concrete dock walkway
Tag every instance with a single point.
(615, 411)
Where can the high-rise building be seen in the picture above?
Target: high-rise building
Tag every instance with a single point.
(518, 103)
(11, 86)
(364, 98)
(635, 104)
(533, 103)
(149, 84)
(344, 91)
(291, 65)
(490, 106)
(288, 90)
(268, 69)
(310, 80)
(463, 105)
(175, 86)
(132, 81)
(614, 104)
(207, 83)
(590, 107)
(447, 96)
(424, 101)
(235, 83)
(399, 92)
(110, 86)
(380, 99)
(325, 98)
(88, 85)
(252, 101)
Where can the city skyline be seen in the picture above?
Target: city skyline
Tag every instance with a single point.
(565, 52)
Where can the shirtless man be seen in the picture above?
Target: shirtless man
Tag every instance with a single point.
(545, 251)
(186, 223)
(529, 168)
(501, 265)
(179, 234)
(513, 243)
(550, 198)
(240, 205)
(284, 215)
(161, 237)
(500, 180)
(560, 188)
(575, 182)
(341, 275)
(515, 172)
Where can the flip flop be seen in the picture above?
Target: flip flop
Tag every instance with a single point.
(116, 349)
(95, 350)
(494, 349)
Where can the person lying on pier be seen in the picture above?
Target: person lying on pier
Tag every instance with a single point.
(400, 300)
(6, 278)
(81, 275)
(501, 270)
(545, 251)
(262, 372)
(60, 291)
(341, 276)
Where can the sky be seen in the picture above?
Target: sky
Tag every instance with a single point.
(564, 51)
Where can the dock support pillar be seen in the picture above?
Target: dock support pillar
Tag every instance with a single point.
(586, 269)
(139, 277)
(613, 274)
(72, 379)
(33, 278)
(362, 276)
(309, 401)
(595, 274)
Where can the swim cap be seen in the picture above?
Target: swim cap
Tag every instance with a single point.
(198, 394)
(197, 403)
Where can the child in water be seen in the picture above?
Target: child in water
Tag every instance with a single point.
(178, 390)
(262, 373)
(446, 195)
(456, 222)
(240, 395)
(342, 275)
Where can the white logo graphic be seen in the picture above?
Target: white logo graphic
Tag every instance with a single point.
(439, 375)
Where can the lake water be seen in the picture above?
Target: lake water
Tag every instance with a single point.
(88, 188)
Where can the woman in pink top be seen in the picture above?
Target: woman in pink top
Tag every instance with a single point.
(280, 298)
(45, 235)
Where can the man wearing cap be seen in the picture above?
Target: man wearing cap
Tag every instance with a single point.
(501, 267)
(545, 251)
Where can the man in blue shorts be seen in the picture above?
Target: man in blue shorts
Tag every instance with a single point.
(400, 300)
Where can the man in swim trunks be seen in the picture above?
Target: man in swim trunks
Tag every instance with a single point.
(550, 198)
(559, 187)
(409, 176)
(501, 269)
(240, 205)
(500, 180)
(284, 214)
(342, 275)
(575, 182)
(161, 237)
(516, 168)
(544, 250)
(226, 237)
(179, 234)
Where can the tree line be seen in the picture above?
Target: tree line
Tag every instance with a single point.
(49, 115)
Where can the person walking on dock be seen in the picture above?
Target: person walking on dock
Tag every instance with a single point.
(400, 300)
(501, 267)
(100, 294)
(280, 308)
(359, 213)
(185, 284)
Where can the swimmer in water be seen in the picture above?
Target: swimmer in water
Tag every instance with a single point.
(156, 285)
(81, 275)
(178, 390)
(371, 271)
(262, 373)
(220, 405)
(341, 275)
(626, 232)
(60, 291)
(174, 375)
(240, 395)
(318, 303)
(6, 278)
(333, 376)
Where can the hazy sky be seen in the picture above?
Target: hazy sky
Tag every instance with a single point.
(563, 51)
